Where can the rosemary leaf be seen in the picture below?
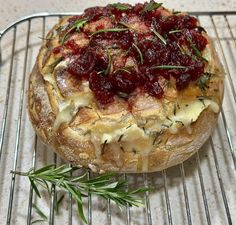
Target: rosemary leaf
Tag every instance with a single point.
(108, 69)
(34, 187)
(151, 6)
(196, 51)
(139, 52)
(175, 31)
(109, 30)
(168, 67)
(121, 6)
(39, 212)
(163, 40)
(37, 221)
(125, 69)
(78, 24)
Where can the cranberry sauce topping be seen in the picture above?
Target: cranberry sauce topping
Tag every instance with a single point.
(131, 47)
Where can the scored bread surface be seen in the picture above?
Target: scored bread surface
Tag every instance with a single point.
(66, 116)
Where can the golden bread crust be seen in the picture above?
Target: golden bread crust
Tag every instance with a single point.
(75, 139)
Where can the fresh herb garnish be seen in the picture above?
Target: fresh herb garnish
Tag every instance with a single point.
(77, 25)
(196, 51)
(125, 69)
(109, 30)
(107, 185)
(108, 69)
(168, 67)
(175, 31)
(48, 68)
(151, 6)
(121, 6)
(175, 12)
(201, 99)
(203, 80)
(159, 36)
(139, 52)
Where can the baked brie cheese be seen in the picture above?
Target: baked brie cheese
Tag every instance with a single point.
(126, 88)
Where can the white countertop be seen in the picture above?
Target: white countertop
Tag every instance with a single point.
(11, 10)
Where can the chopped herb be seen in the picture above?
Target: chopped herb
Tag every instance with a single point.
(128, 126)
(123, 95)
(168, 118)
(151, 6)
(174, 112)
(204, 80)
(159, 36)
(175, 31)
(125, 69)
(108, 69)
(178, 105)
(103, 147)
(175, 12)
(109, 30)
(78, 24)
(156, 137)
(121, 136)
(168, 67)
(122, 149)
(102, 71)
(165, 125)
(196, 51)
(121, 6)
(201, 99)
(46, 39)
(178, 121)
(139, 52)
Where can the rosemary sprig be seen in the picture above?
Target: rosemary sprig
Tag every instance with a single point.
(109, 30)
(107, 185)
(121, 6)
(139, 52)
(163, 40)
(168, 67)
(151, 6)
(78, 24)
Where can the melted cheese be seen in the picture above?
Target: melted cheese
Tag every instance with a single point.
(189, 113)
(69, 107)
(128, 134)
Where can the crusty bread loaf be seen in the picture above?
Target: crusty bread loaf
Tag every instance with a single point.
(142, 134)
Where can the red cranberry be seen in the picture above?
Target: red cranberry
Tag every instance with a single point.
(182, 81)
(123, 81)
(82, 65)
(154, 89)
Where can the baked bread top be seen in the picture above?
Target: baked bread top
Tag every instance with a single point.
(126, 88)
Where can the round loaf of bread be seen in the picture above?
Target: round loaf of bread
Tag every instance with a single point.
(126, 88)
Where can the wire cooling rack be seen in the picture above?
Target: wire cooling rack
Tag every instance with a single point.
(202, 190)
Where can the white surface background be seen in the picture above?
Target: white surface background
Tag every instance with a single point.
(11, 10)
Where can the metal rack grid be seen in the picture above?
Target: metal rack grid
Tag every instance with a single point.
(201, 190)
